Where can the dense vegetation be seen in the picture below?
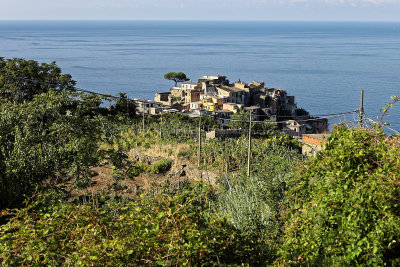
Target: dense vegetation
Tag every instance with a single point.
(165, 229)
(340, 208)
(344, 207)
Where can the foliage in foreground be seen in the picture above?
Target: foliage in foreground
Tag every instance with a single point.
(48, 130)
(344, 208)
(40, 138)
(252, 204)
(164, 229)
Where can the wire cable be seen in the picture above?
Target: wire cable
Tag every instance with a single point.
(58, 85)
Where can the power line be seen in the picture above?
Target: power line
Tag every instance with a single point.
(381, 124)
(58, 85)
(315, 115)
(304, 120)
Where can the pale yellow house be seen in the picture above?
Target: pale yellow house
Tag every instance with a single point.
(213, 103)
(208, 104)
(191, 86)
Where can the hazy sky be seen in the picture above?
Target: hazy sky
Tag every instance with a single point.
(347, 10)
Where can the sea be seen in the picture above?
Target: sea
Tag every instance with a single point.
(325, 65)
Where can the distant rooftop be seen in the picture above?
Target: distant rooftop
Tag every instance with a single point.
(230, 88)
(322, 137)
(144, 100)
(191, 83)
(212, 77)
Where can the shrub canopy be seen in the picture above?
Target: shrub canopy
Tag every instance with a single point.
(344, 207)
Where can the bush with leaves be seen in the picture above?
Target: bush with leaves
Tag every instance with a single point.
(161, 166)
(343, 208)
(135, 169)
(157, 229)
(48, 129)
(43, 138)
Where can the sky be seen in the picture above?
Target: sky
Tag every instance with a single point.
(277, 10)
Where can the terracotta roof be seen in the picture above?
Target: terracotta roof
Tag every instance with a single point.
(322, 137)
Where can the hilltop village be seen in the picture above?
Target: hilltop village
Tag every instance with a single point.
(216, 96)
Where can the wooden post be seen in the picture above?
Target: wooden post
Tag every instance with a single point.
(249, 151)
(127, 106)
(143, 119)
(199, 151)
(161, 125)
(361, 110)
(226, 175)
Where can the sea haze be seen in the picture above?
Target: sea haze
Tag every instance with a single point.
(325, 65)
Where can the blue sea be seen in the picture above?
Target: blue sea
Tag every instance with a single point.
(324, 65)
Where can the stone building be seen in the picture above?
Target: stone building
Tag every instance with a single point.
(177, 93)
(147, 106)
(280, 103)
(209, 83)
(164, 98)
(234, 94)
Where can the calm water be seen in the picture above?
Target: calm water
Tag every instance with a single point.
(325, 65)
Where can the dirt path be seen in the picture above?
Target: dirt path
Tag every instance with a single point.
(182, 169)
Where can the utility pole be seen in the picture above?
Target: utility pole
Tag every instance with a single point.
(249, 152)
(161, 124)
(199, 151)
(127, 106)
(361, 110)
(143, 119)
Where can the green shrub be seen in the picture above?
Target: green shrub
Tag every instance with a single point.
(136, 169)
(161, 166)
(165, 229)
(39, 139)
(344, 206)
(185, 154)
